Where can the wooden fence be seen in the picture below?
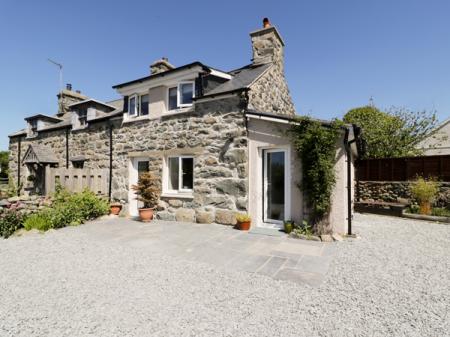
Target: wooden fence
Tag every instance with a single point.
(403, 169)
(75, 180)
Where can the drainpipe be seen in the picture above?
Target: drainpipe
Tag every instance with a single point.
(18, 165)
(67, 148)
(110, 160)
(348, 150)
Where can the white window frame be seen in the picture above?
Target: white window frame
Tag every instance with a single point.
(134, 114)
(140, 105)
(180, 175)
(179, 104)
(168, 98)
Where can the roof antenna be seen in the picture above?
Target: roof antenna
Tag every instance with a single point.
(60, 66)
(371, 102)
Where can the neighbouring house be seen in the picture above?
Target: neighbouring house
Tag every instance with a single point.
(438, 142)
(215, 138)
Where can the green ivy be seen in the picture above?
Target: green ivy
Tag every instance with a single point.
(315, 145)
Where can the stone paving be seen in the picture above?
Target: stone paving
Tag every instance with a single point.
(278, 257)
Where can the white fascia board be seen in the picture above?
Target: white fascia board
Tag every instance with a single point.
(221, 74)
(166, 80)
(270, 119)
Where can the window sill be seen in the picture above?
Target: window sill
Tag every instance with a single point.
(135, 119)
(177, 195)
(179, 111)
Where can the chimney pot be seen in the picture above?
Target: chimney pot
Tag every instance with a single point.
(266, 23)
(160, 66)
(78, 91)
(69, 86)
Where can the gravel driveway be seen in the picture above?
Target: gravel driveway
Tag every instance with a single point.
(394, 281)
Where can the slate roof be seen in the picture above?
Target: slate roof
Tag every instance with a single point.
(42, 155)
(242, 78)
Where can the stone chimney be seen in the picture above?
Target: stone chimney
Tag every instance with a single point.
(267, 45)
(160, 66)
(66, 98)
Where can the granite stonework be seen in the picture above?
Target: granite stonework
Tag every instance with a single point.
(392, 191)
(270, 93)
(213, 130)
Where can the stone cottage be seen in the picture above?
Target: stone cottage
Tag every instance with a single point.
(216, 138)
(438, 141)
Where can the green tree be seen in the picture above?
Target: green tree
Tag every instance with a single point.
(4, 160)
(392, 133)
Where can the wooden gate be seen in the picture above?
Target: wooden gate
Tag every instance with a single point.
(75, 180)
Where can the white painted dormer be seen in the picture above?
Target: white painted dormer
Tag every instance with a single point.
(39, 122)
(85, 111)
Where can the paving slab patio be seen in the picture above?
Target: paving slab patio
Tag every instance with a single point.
(276, 256)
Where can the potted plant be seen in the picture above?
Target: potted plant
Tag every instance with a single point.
(288, 226)
(148, 192)
(424, 191)
(115, 208)
(243, 221)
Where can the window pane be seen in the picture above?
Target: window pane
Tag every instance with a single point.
(172, 98)
(142, 167)
(187, 165)
(187, 92)
(144, 105)
(173, 173)
(132, 110)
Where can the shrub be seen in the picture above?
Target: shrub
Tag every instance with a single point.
(440, 212)
(240, 217)
(147, 189)
(424, 190)
(68, 210)
(40, 221)
(10, 221)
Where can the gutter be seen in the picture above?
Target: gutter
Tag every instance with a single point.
(348, 151)
(110, 160)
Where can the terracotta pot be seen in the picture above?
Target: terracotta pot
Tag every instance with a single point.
(244, 226)
(425, 208)
(115, 209)
(288, 227)
(146, 214)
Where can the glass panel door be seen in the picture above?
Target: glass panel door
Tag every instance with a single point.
(274, 186)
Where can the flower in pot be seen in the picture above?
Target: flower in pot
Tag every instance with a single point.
(243, 221)
(115, 208)
(148, 192)
(425, 192)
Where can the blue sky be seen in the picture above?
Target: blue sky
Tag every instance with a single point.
(338, 53)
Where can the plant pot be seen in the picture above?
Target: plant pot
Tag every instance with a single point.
(288, 227)
(115, 209)
(244, 226)
(425, 207)
(146, 214)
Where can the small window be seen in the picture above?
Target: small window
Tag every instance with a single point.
(132, 106)
(185, 93)
(33, 124)
(180, 174)
(82, 116)
(143, 111)
(173, 96)
(143, 167)
(78, 164)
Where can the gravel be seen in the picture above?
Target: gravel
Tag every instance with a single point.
(394, 281)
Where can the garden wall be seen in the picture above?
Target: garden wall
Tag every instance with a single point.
(393, 190)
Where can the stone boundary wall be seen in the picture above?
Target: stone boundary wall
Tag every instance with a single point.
(391, 191)
(25, 204)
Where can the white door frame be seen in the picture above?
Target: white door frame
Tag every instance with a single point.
(271, 223)
(132, 180)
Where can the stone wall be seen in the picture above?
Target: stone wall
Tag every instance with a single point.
(214, 133)
(394, 190)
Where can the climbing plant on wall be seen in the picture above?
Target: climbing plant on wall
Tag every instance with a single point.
(315, 144)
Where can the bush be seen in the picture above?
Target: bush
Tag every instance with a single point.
(69, 210)
(40, 221)
(440, 212)
(10, 221)
(424, 190)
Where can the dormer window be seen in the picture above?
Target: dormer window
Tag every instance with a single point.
(82, 117)
(138, 105)
(181, 96)
(33, 125)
